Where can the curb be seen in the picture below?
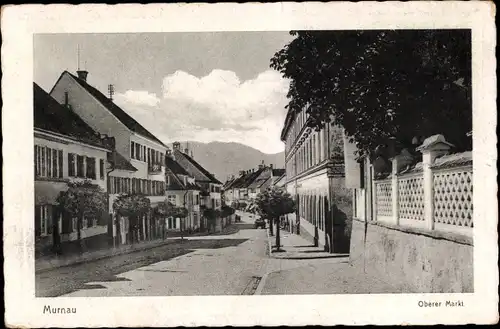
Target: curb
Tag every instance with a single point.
(261, 285)
(84, 261)
(269, 245)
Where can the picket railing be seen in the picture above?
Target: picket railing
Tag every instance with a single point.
(437, 196)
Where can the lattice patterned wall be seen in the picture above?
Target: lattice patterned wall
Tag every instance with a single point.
(384, 197)
(411, 197)
(453, 197)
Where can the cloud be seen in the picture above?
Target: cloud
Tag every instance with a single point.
(216, 107)
(138, 97)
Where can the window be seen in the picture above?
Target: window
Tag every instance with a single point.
(91, 168)
(71, 165)
(79, 166)
(48, 162)
(132, 150)
(101, 168)
(43, 218)
(172, 199)
(74, 224)
(162, 159)
(137, 151)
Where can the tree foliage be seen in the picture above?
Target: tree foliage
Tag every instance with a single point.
(211, 214)
(274, 203)
(380, 85)
(227, 211)
(82, 200)
(131, 205)
(167, 209)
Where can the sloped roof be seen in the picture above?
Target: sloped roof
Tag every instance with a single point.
(258, 181)
(175, 167)
(280, 180)
(235, 182)
(248, 179)
(51, 116)
(278, 172)
(120, 114)
(175, 183)
(207, 174)
(119, 162)
(228, 183)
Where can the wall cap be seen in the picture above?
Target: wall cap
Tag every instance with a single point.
(439, 235)
(434, 143)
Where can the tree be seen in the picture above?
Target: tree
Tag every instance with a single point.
(211, 215)
(382, 85)
(274, 203)
(82, 200)
(227, 211)
(132, 206)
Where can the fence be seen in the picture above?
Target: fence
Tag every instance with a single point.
(436, 194)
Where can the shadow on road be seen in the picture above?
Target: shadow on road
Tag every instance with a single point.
(64, 280)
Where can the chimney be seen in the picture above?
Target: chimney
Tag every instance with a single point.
(82, 75)
(177, 146)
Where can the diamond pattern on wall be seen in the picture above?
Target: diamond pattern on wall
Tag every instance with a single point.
(411, 198)
(453, 197)
(384, 197)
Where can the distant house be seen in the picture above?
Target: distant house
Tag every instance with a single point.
(138, 157)
(246, 187)
(182, 191)
(66, 149)
(211, 187)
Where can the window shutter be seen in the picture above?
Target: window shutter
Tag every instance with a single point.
(101, 168)
(37, 220)
(50, 219)
(66, 223)
(36, 162)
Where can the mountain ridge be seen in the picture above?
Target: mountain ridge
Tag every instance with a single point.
(224, 159)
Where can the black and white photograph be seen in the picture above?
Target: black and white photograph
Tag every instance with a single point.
(276, 162)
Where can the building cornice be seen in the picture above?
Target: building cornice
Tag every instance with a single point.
(63, 139)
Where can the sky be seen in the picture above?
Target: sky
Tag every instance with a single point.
(210, 86)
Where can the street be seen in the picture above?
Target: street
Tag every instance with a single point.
(232, 264)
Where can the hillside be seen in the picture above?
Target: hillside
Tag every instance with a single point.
(225, 159)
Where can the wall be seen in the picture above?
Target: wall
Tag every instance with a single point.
(80, 149)
(142, 166)
(412, 261)
(93, 112)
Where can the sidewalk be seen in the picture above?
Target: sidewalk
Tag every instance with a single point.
(304, 269)
(326, 278)
(46, 263)
(296, 247)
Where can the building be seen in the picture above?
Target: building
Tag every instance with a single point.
(182, 191)
(315, 178)
(280, 182)
(413, 223)
(211, 187)
(66, 149)
(244, 189)
(138, 157)
(239, 190)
